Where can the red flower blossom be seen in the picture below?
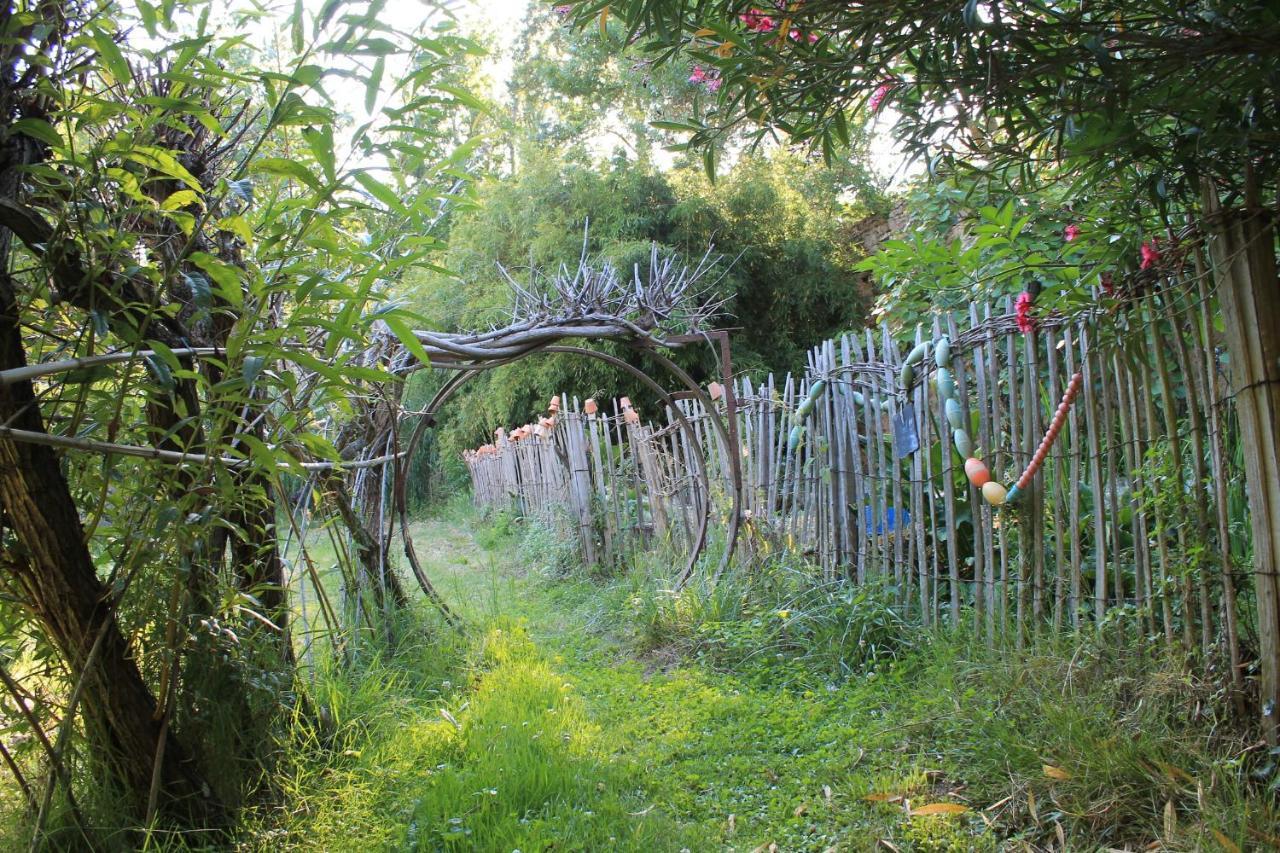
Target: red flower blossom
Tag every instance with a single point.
(758, 22)
(1071, 232)
(1108, 286)
(1150, 255)
(878, 96)
(1022, 312)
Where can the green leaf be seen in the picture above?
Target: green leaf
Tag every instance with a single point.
(37, 129)
(112, 57)
(295, 26)
(286, 168)
(374, 84)
(464, 97)
(380, 191)
(402, 331)
(252, 368)
(224, 275)
(320, 141)
(180, 199)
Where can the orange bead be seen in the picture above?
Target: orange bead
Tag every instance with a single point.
(976, 471)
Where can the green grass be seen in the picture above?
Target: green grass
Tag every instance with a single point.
(600, 714)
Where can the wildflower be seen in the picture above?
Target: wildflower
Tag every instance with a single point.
(783, 614)
(878, 96)
(563, 9)
(1022, 312)
(1108, 286)
(713, 85)
(1071, 232)
(699, 74)
(1150, 255)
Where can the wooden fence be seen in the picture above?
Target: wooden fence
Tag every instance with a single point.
(1132, 518)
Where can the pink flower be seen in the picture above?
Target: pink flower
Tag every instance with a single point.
(877, 97)
(708, 78)
(757, 21)
(1022, 312)
(1150, 255)
(563, 9)
(1071, 232)
(813, 38)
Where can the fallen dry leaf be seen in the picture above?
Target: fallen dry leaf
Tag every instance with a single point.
(888, 845)
(801, 810)
(733, 822)
(1031, 807)
(883, 798)
(997, 805)
(1055, 772)
(826, 793)
(940, 808)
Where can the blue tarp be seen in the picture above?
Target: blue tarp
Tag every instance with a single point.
(892, 519)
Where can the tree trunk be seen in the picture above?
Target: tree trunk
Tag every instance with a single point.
(75, 607)
(1242, 244)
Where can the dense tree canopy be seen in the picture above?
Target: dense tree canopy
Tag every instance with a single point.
(785, 272)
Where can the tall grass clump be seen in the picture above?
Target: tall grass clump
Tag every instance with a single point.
(1106, 747)
(776, 619)
(549, 546)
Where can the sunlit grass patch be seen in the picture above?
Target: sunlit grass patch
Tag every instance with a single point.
(507, 760)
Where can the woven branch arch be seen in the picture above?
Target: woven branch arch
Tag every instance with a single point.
(662, 312)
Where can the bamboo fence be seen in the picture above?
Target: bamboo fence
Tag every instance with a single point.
(1135, 520)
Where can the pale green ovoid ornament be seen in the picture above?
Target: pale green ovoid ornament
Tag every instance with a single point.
(917, 355)
(793, 440)
(942, 352)
(946, 384)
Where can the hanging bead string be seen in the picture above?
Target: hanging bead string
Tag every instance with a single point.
(1050, 435)
(975, 469)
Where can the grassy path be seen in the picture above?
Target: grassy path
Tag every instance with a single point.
(693, 759)
(544, 729)
(543, 732)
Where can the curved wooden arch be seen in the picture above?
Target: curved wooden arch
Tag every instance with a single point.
(427, 419)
